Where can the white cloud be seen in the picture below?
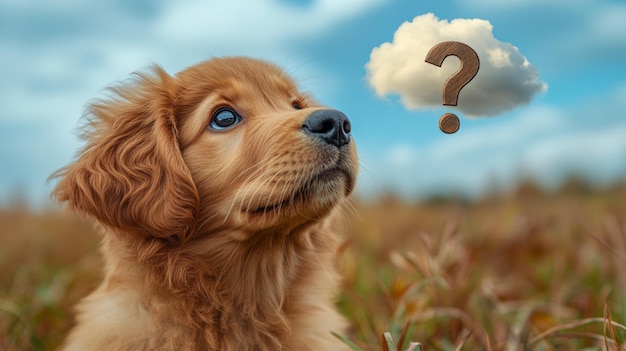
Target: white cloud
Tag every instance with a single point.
(499, 58)
(504, 81)
(253, 25)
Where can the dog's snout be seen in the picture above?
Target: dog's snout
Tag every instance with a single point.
(332, 126)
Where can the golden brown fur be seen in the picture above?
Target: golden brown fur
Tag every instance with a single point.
(213, 239)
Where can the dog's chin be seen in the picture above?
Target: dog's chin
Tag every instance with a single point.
(306, 202)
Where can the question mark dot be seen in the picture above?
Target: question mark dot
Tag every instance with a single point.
(470, 63)
(449, 123)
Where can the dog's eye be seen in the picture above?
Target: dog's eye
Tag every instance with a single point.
(298, 104)
(224, 118)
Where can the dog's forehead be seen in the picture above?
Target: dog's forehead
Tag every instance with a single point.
(237, 73)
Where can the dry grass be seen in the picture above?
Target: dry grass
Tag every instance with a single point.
(528, 271)
(47, 263)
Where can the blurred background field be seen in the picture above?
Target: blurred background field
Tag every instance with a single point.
(525, 270)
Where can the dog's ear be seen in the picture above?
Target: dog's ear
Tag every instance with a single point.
(131, 174)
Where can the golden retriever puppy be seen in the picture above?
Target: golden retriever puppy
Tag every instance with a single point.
(216, 190)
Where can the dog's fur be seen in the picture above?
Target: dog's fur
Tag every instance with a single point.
(213, 239)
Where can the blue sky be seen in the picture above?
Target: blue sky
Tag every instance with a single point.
(57, 55)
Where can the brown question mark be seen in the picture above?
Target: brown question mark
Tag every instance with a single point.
(449, 123)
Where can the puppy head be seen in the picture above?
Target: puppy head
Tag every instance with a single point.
(227, 144)
(263, 154)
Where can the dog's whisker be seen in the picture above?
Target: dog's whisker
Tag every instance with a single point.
(270, 195)
(350, 209)
(237, 196)
(244, 183)
(262, 185)
(264, 172)
(287, 188)
(301, 177)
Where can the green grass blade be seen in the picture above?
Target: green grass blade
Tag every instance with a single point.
(347, 342)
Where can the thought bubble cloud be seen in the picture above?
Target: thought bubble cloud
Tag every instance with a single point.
(505, 80)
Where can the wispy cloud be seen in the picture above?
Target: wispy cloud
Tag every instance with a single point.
(584, 31)
(546, 142)
(237, 24)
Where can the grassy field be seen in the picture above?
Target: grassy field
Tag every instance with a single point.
(523, 271)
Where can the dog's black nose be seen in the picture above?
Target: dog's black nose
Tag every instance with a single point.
(332, 126)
